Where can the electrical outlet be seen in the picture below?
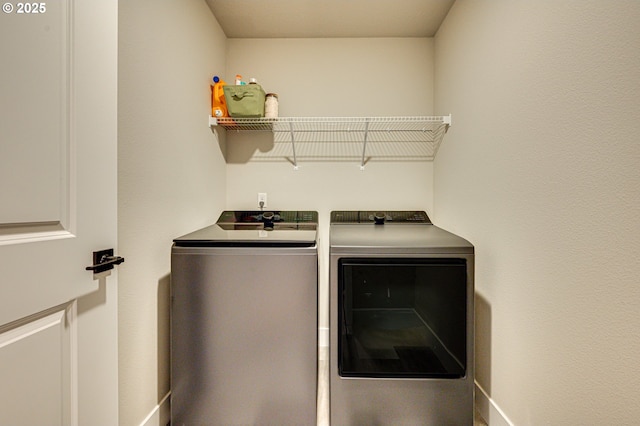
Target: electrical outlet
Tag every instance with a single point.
(262, 199)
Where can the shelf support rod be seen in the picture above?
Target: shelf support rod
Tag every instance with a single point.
(293, 146)
(364, 144)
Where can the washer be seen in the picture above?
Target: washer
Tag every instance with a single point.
(401, 321)
(244, 320)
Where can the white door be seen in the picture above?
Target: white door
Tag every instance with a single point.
(58, 140)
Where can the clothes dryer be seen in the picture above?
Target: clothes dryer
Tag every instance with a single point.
(401, 321)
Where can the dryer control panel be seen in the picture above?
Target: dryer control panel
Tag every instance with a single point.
(379, 217)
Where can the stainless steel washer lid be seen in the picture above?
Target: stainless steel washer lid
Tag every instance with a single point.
(249, 228)
(400, 232)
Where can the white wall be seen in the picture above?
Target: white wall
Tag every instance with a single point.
(541, 171)
(171, 177)
(333, 77)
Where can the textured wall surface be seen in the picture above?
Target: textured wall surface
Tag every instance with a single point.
(171, 176)
(540, 170)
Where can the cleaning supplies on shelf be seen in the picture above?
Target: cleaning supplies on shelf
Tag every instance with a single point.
(245, 100)
(218, 101)
(241, 100)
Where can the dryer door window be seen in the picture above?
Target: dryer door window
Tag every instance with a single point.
(402, 317)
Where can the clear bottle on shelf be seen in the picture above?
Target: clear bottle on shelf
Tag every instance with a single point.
(271, 105)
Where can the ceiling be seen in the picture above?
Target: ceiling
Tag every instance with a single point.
(329, 18)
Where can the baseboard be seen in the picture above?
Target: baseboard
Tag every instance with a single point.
(161, 414)
(489, 410)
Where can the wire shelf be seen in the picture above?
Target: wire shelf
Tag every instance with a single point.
(346, 138)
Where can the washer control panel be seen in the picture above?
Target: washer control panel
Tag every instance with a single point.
(269, 220)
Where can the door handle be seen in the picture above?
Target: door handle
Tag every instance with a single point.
(104, 260)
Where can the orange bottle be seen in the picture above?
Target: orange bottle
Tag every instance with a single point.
(218, 103)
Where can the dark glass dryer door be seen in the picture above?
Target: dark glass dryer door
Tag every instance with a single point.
(402, 318)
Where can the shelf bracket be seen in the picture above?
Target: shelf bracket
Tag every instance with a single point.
(364, 144)
(293, 146)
